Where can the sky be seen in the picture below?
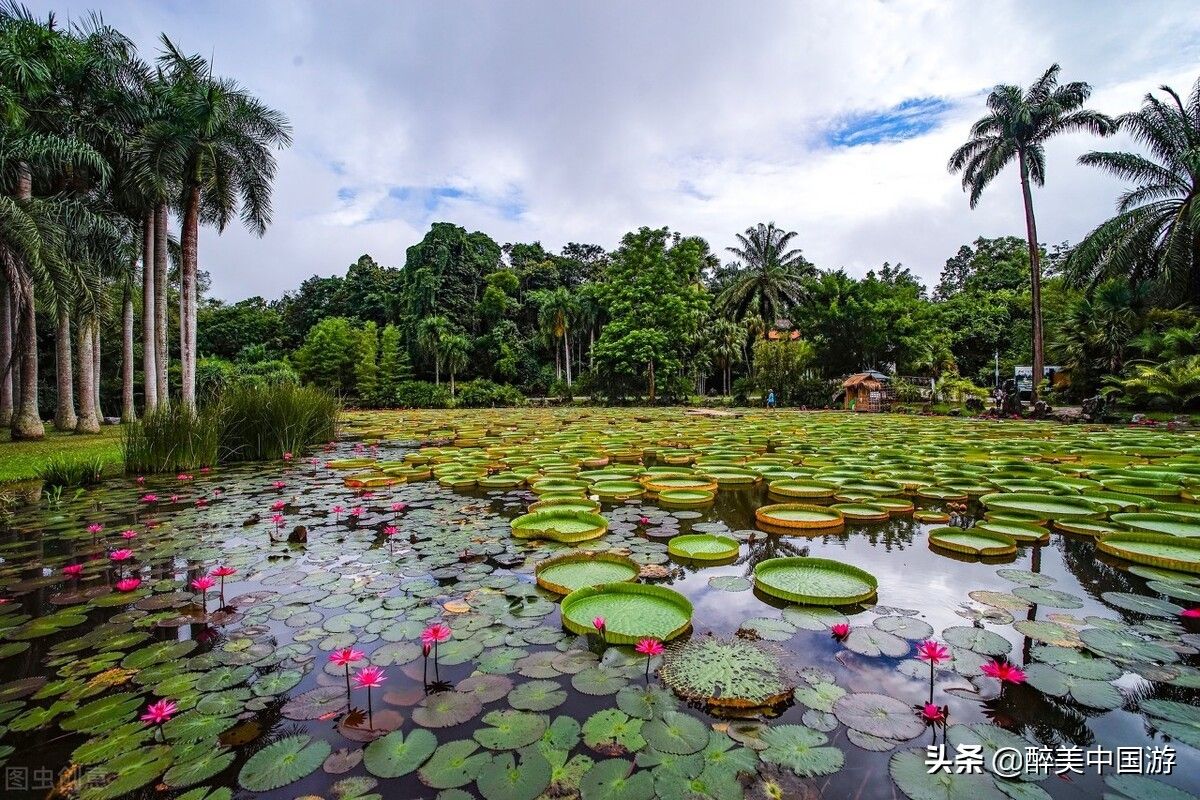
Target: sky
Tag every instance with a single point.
(580, 121)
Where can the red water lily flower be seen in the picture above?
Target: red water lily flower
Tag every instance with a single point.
(390, 530)
(369, 678)
(1190, 613)
(399, 506)
(141, 479)
(933, 652)
(279, 484)
(643, 520)
(121, 555)
(95, 528)
(224, 571)
(840, 630)
(130, 534)
(933, 714)
(1004, 672)
(128, 585)
(287, 456)
(598, 624)
(72, 570)
(160, 712)
(149, 498)
(278, 505)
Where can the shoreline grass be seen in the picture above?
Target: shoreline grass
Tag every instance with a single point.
(24, 461)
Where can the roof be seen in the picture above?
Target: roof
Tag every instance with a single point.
(870, 378)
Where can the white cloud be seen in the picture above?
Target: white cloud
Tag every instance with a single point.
(593, 119)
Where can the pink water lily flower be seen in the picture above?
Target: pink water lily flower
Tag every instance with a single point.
(840, 630)
(95, 528)
(1004, 672)
(72, 570)
(128, 585)
(598, 624)
(437, 632)
(649, 647)
(160, 712)
(643, 520)
(390, 530)
(201, 502)
(1190, 613)
(399, 506)
(425, 648)
(369, 678)
(174, 498)
(203, 584)
(141, 479)
(149, 498)
(278, 505)
(346, 656)
(183, 476)
(223, 571)
(357, 511)
(279, 484)
(287, 456)
(121, 555)
(933, 652)
(129, 534)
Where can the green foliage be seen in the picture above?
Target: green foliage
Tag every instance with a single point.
(1172, 384)
(395, 366)
(769, 277)
(224, 329)
(482, 393)
(172, 439)
(784, 366)
(260, 422)
(421, 394)
(64, 471)
(328, 356)
(366, 366)
(655, 303)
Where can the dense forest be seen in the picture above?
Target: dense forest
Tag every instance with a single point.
(110, 164)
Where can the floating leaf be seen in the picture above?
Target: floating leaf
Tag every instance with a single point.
(537, 696)
(196, 770)
(103, 714)
(446, 709)
(487, 688)
(675, 732)
(612, 780)
(395, 754)
(613, 732)
(909, 770)
(504, 779)
(905, 627)
(597, 681)
(125, 773)
(509, 730)
(453, 764)
(801, 750)
(870, 641)
(878, 715)
(320, 702)
(282, 762)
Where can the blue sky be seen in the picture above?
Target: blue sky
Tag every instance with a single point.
(565, 122)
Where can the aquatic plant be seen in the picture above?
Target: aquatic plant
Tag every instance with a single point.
(728, 674)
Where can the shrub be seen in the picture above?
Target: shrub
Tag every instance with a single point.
(260, 422)
(483, 393)
(421, 394)
(270, 373)
(65, 471)
(213, 376)
(171, 439)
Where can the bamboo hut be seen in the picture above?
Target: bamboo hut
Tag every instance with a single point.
(866, 391)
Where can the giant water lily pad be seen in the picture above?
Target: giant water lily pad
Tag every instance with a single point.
(975, 541)
(703, 547)
(1154, 549)
(799, 516)
(814, 581)
(1052, 507)
(1169, 524)
(560, 525)
(564, 574)
(731, 673)
(631, 612)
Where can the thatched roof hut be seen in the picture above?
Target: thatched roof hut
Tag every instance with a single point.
(864, 391)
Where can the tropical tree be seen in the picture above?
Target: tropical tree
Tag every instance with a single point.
(1016, 128)
(1175, 382)
(216, 138)
(1155, 236)
(769, 277)
(456, 350)
(556, 311)
(727, 345)
(431, 334)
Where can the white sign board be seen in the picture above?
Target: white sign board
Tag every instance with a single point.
(1024, 376)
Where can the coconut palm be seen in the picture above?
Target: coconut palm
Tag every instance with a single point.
(1155, 236)
(217, 140)
(1017, 126)
(727, 340)
(770, 277)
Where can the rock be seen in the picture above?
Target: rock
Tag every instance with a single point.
(1138, 419)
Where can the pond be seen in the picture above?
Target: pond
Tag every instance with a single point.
(1071, 639)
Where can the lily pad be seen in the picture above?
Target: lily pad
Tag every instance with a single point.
(814, 581)
(395, 755)
(801, 750)
(878, 715)
(282, 762)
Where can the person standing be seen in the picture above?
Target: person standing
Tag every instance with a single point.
(771, 399)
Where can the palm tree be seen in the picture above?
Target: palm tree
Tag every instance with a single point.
(216, 139)
(770, 277)
(1155, 236)
(1017, 127)
(456, 349)
(1177, 382)
(556, 310)
(431, 335)
(727, 339)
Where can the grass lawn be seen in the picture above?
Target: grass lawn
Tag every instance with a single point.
(21, 461)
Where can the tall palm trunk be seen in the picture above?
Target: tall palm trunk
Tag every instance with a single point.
(567, 356)
(89, 417)
(64, 409)
(188, 235)
(162, 357)
(27, 419)
(149, 339)
(1035, 277)
(437, 376)
(6, 352)
(452, 383)
(96, 367)
(128, 413)
(557, 364)
(591, 347)
(651, 379)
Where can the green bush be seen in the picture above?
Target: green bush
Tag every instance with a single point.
(68, 472)
(259, 422)
(488, 394)
(171, 439)
(421, 394)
